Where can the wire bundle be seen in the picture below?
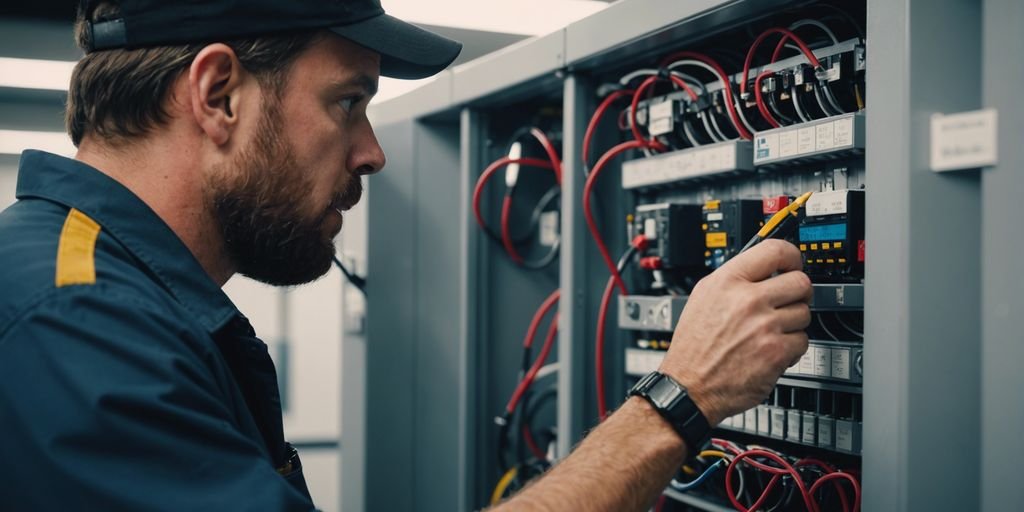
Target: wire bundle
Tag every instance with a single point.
(504, 237)
(805, 478)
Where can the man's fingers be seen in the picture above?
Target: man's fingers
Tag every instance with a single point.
(793, 286)
(765, 259)
(794, 317)
(792, 347)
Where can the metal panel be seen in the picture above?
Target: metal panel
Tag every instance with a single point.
(624, 28)
(437, 296)
(521, 62)
(391, 336)
(1002, 411)
(414, 351)
(473, 301)
(921, 387)
(431, 97)
(572, 335)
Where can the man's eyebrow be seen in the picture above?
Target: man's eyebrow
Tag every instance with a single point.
(363, 81)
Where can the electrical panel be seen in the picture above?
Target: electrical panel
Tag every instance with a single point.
(719, 147)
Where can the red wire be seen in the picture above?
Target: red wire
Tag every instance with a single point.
(660, 504)
(753, 48)
(537, 364)
(786, 468)
(596, 119)
(765, 113)
(828, 469)
(556, 164)
(506, 232)
(602, 315)
(646, 84)
(730, 104)
(835, 476)
(538, 316)
(532, 444)
(588, 187)
(486, 175)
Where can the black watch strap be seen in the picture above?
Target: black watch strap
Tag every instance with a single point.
(673, 402)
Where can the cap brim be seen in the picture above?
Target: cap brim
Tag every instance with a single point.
(406, 51)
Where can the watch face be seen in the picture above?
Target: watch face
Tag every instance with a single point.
(666, 393)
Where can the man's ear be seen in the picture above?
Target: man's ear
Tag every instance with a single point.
(213, 83)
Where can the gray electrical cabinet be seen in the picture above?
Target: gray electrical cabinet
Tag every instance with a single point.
(932, 374)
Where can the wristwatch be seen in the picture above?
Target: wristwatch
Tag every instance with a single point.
(672, 401)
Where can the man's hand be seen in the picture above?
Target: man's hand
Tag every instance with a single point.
(742, 327)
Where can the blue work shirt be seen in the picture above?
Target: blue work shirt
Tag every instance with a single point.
(128, 379)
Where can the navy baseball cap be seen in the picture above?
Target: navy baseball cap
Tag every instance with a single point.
(406, 51)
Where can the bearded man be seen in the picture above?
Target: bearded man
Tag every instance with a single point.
(227, 137)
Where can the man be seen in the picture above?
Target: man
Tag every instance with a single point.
(216, 139)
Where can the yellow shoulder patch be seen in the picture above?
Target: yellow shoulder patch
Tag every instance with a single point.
(76, 252)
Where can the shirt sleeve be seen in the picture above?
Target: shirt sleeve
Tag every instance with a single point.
(106, 405)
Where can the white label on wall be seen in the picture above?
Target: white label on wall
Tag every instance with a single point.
(549, 228)
(843, 129)
(824, 134)
(965, 140)
(788, 143)
(716, 216)
(805, 140)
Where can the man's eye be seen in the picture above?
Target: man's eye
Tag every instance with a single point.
(348, 103)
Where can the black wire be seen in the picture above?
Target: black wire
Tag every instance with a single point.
(357, 281)
(773, 104)
(624, 259)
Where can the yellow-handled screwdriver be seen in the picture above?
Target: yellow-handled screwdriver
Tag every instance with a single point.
(779, 222)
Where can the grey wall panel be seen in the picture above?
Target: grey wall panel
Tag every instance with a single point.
(413, 350)
(437, 348)
(473, 294)
(513, 65)
(638, 27)
(391, 312)
(1002, 407)
(922, 320)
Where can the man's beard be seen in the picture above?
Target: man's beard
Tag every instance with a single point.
(261, 208)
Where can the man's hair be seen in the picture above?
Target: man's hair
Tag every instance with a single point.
(119, 94)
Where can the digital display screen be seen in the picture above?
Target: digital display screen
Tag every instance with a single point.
(823, 233)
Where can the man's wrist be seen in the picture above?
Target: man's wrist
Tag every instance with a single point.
(672, 401)
(702, 399)
(659, 431)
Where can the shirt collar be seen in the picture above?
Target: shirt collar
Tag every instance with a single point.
(129, 220)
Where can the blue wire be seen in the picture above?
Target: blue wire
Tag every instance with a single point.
(700, 479)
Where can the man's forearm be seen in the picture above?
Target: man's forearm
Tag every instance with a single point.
(620, 466)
